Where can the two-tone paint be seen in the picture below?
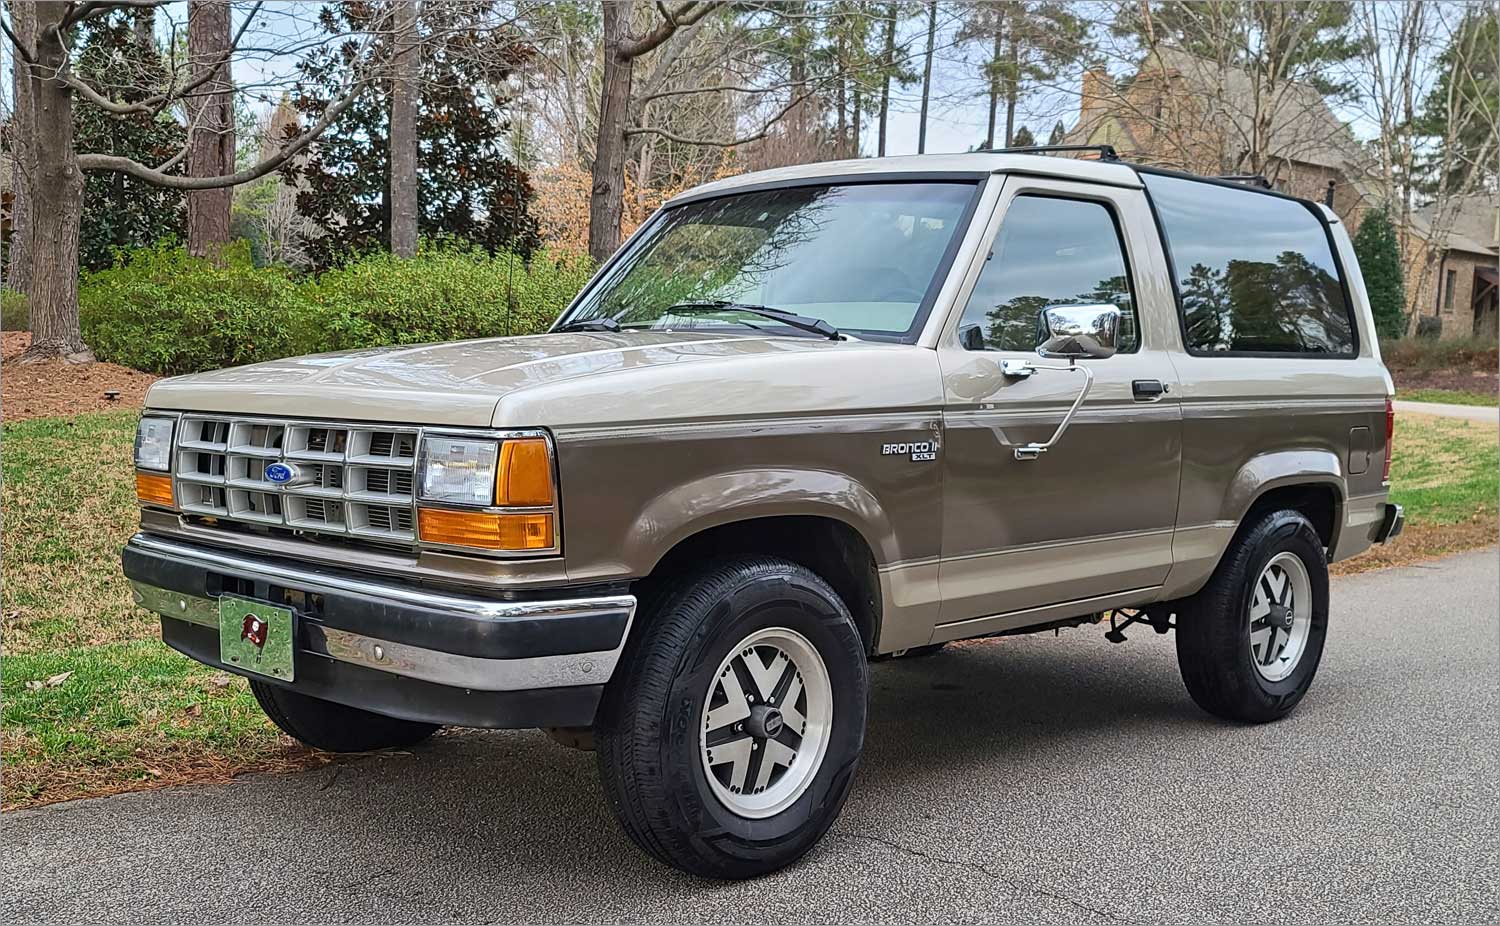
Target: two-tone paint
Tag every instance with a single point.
(661, 436)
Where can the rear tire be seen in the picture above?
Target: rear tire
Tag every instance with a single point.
(1249, 643)
(336, 727)
(681, 756)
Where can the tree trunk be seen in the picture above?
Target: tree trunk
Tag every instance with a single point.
(56, 199)
(854, 122)
(18, 266)
(927, 76)
(888, 61)
(607, 196)
(989, 136)
(145, 28)
(403, 133)
(1012, 90)
(211, 121)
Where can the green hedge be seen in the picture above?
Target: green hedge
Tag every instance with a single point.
(14, 313)
(164, 311)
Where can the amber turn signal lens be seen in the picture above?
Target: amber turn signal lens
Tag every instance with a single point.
(154, 490)
(525, 477)
(485, 530)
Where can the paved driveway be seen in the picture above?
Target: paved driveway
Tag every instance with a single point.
(1028, 779)
(1479, 413)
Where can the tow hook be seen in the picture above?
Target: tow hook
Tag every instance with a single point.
(1157, 617)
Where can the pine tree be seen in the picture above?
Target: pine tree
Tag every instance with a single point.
(1380, 264)
(1023, 138)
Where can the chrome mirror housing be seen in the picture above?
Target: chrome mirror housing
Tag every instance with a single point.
(1079, 332)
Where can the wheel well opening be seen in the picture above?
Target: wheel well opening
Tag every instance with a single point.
(1318, 503)
(830, 548)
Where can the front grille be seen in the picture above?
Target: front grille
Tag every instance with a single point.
(352, 480)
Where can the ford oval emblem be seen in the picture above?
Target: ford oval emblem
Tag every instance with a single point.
(280, 473)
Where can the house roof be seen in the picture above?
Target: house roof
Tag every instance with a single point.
(1303, 127)
(1474, 225)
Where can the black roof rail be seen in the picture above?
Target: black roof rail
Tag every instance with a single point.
(1106, 152)
(1255, 180)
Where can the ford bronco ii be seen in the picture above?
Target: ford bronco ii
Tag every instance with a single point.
(803, 418)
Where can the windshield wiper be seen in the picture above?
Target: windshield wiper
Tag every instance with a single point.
(591, 324)
(790, 319)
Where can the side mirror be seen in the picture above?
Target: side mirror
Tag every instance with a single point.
(1079, 332)
(971, 337)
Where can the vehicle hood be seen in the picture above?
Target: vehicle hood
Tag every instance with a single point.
(539, 380)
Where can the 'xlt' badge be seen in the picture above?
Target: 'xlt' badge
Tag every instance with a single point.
(920, 451)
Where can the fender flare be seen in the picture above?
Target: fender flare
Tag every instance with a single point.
(1280, 469)
(742, 495)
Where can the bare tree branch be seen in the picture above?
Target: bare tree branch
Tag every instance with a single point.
(689, 12)
(719, 142)
(155, 103)
(134, 168)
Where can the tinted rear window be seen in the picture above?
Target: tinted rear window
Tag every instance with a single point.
(1255, 273)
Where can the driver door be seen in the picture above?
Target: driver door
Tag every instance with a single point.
(1090, 521)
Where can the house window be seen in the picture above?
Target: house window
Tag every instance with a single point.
(1449, 282)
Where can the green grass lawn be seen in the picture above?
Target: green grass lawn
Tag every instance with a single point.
(94, 703)
(122, 710)
(1450, 396)
(1445, 470)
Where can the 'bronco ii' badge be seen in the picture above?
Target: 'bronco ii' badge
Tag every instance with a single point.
(921, 451)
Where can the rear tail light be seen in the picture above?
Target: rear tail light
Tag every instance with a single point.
(1390, 434)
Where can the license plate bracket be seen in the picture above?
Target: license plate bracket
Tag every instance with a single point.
(257, 637)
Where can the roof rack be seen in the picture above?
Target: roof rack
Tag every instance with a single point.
(1106, 152)
(1255, 180)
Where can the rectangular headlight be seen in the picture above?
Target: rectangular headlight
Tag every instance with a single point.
(153, 444)
(458, 470)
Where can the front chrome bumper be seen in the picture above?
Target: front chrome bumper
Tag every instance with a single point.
(474, 644)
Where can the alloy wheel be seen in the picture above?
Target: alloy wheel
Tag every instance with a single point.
(1280, 616)
(766, 722)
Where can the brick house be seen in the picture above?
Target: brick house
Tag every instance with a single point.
(1461, 288)
(1188, 113)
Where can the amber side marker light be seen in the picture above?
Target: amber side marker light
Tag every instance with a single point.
(524, 479)
(154, 490)
(486, 530)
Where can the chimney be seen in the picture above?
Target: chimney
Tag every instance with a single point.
(1098, 90)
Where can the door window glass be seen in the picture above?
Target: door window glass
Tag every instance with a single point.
(1049, 251)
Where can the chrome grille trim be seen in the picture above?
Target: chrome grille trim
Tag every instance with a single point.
(357, 479)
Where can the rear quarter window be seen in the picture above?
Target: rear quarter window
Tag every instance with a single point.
(1255, 274)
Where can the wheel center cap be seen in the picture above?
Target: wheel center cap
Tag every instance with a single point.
(765, 721)
(1281, 616)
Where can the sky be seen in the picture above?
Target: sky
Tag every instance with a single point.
(956, 122)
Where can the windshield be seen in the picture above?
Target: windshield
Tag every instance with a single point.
(859, 256)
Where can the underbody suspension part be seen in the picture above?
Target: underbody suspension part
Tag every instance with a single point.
(1157, 618)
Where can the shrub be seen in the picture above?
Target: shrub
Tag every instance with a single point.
(161, 310)
(1430, 353)
(15, 314)
(445, 293)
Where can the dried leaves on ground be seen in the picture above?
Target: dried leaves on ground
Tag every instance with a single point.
(56, 387)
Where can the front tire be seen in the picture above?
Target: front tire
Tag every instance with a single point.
(336, 727)
(719, 786)
(1249, 643)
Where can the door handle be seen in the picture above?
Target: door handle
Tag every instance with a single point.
(1148, 390)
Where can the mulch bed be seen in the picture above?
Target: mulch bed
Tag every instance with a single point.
(1461, 380)
(56, 388)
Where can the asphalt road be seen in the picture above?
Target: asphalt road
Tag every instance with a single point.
(1032, 779)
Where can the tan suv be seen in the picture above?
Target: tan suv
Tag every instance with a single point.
(803, 418)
